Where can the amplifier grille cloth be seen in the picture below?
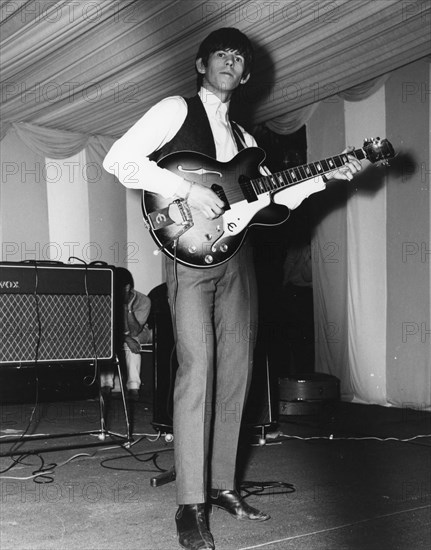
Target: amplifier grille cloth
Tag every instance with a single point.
(65, 332)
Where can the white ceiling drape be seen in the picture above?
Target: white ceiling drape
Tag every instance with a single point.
(95, 67)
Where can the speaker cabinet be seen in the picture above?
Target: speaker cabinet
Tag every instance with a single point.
(261, 408)
(56, 312)
(164, 358)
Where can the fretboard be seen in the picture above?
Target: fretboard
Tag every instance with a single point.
(298, 174)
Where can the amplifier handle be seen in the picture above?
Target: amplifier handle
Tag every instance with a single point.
(41, 262)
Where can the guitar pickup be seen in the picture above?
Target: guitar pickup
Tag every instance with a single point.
(247, 189)
(219, 191)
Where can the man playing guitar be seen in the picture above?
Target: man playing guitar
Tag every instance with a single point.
(214, 310)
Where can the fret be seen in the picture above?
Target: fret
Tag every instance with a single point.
(287, 177)
(325, 165)
(260, 185)
(319, 168)
(344, 158)
(301, 172)
(339, 161)
(313, 169)
(293, 175)
(308, 171)
(274, 182)
(281, 181)
(268, 183)
(254, 186)
(330, 162)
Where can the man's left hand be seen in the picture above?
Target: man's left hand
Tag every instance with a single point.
(348, 170)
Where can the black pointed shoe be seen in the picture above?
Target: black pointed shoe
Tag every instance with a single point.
(235, 505)
(193, 533)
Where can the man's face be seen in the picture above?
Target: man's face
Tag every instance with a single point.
(224, 71)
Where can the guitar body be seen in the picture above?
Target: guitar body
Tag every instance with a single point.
(210, 242)
(185, 234)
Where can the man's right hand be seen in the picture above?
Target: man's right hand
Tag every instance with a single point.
(202, 198)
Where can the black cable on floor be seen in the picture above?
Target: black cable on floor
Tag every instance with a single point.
(264, 488)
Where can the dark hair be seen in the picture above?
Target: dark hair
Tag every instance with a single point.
(226, 38)
(123, 277)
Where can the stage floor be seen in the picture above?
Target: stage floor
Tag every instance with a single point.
(329, 481)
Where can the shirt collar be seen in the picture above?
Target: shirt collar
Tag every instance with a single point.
(213, 105)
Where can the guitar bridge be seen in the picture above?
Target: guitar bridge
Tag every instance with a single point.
(184, 209)
(167, 216)
(176, 213)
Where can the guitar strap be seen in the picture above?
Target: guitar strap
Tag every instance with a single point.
(238, 135)
(239, 138)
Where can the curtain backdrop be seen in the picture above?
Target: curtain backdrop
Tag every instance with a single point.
(371, 247)
(292, 121)
(95, 67)
(57, 201)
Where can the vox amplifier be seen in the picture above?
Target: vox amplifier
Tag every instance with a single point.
(56, 312)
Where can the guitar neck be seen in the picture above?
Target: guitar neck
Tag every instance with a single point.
(298, 174)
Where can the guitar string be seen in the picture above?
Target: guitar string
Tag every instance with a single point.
(259, 187)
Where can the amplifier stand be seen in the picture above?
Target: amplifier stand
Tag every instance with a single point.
(124, 439)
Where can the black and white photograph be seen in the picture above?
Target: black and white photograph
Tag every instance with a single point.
(215, 275)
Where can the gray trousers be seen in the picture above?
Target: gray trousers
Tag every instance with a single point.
(214, 312)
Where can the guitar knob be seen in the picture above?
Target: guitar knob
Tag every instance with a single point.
(192, 249)
(209, 259)
(224, 247)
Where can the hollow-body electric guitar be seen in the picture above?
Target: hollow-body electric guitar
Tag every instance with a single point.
(184, 233)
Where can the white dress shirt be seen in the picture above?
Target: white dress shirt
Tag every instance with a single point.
(128, 157)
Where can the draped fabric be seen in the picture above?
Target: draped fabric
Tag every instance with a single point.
(4, 129)
(57, 202)
(292, 121)
(364, 90)
(95, 67)
(53, 143)
(366, 258)
(371, 247)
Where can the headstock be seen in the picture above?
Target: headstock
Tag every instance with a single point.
(378, 150)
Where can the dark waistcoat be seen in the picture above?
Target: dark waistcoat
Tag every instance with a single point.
(195, 134)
